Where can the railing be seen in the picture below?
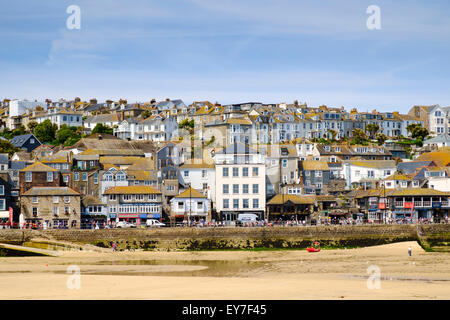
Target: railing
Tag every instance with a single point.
(399, 204)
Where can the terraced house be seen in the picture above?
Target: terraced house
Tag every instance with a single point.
(134, 204)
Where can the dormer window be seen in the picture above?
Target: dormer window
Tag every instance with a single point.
(327, 148)
(337, 149)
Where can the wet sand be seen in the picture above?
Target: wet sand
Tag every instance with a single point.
(297, 274)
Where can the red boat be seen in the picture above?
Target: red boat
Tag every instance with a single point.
(315, 247)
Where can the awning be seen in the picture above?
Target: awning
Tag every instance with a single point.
(154, 215)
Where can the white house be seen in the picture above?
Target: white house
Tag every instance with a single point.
(191, 204)
(357, 171)
(110, 120)
(240, 182)
(60, 117)
(155, 128)
(200, 176)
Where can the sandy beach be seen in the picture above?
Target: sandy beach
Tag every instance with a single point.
(296, 274)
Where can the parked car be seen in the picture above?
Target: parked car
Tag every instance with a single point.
(125, 224)
(246, 218)
(155, 223)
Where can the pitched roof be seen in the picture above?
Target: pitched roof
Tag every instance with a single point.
(132, 190)
(411, 166)
(278, 199)
(190, 193)
(202, 165)
(441, 158)
(379, 164)
(51, 191)
(91, 200)
(397, 176)
(38, 167)
(314, 165)
(19, 141)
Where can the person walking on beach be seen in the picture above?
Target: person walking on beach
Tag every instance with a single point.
(409, 251)
(114, 247)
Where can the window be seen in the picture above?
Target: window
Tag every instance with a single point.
(255, 203)
(307, 173)
(31, 141)
(226, 203)
(112, 197)
(2, 190)
(245, 188)
(55, 211)
(255, 188)
(35, 199)
(66, 199)
(127, 197)
(255, 171)
(35, 211)
(55, 199)
(387, 172)
(245, 204)
(357, 173)
(318, 174)
(235, 203)
(284, 163)
(66, 210)
(245, 172)
(96, 178)
(200, 205)
(235, 188)
(181, 205)
(2, 204)
(225, 172)
(139, 197)
(84, 176)
(235, 172)
(370, 173)
(225, 188)
(28, 176)
(186, 173)
(76, 176)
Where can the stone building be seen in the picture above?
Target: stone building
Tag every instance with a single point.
(51, 207)
(39, 175)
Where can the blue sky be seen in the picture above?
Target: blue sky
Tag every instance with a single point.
(230, 51)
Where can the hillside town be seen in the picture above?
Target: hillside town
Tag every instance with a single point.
(94, 165)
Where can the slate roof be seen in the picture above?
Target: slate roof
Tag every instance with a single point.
(38, 167)
(51, 191)
(19, 141)
(412, 166)
(4, 158)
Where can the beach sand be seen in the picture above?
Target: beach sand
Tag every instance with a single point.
(269, 274)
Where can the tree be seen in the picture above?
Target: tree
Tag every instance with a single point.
(19, 131)
(333, 134)
(146, 114)
(372, 129)
(100, 128)
(32, 125)
(359, 137)
(381, 138)
(45, 131)
(417, 131)
(7, 147)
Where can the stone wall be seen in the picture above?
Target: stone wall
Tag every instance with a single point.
(230, 238)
